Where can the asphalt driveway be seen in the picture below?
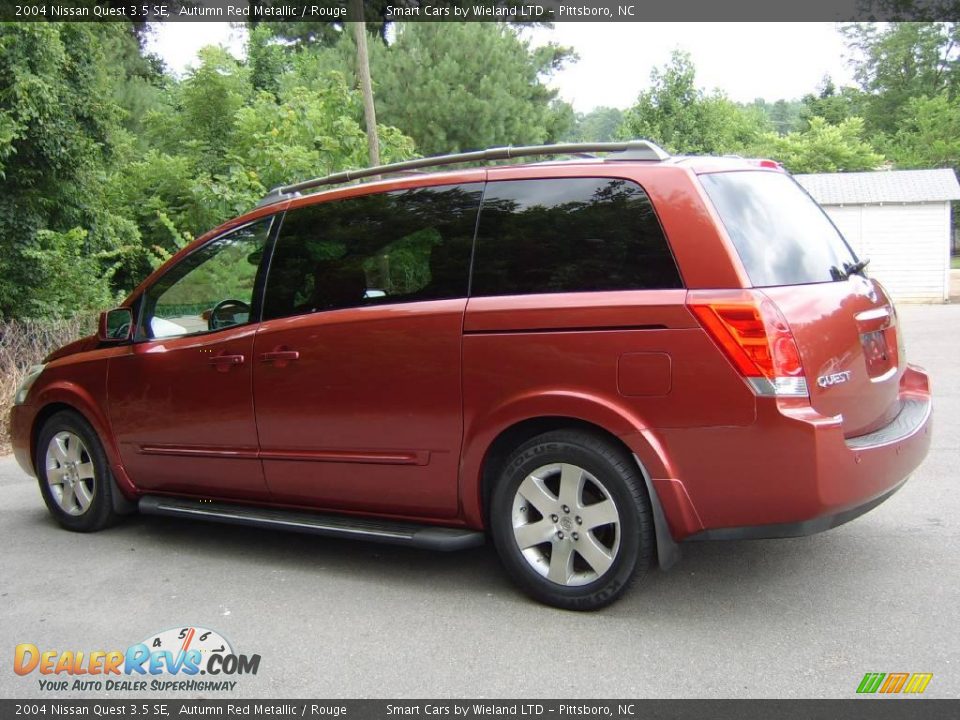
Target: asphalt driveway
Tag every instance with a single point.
(787, 618)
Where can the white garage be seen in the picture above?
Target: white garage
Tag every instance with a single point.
(900, 219)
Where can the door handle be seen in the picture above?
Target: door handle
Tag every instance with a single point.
(224, 362)
(284, 355)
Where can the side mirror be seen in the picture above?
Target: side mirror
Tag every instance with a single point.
(115, 325)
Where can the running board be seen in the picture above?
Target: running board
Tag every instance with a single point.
(428, 537)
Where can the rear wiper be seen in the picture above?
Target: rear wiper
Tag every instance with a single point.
(856, 268)
(849, 269)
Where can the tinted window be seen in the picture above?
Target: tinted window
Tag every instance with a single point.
(569, 234)
(385, 248)
(781, 234)
(210, 289)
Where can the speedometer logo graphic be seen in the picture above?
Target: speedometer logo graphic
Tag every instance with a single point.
(183, 639)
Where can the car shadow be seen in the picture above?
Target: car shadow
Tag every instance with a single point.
(722, 575)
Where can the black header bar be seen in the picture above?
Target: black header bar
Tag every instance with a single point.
(543, 11)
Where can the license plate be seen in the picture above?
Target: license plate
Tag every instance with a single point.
(875, 350)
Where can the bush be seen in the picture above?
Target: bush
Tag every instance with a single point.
(25, 343)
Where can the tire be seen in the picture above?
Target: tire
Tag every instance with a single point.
(579, 506)
(74, 476)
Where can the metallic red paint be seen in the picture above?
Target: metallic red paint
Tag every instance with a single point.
(171, 395)
(379, 384)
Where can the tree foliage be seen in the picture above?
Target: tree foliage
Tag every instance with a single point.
(88, 207)
(783, 116)
(450, 86)
(821, 147)
(463, 86)
(833, 104)
(686, 119)
(929, 135)
(598, 125)
(896, 62)
(243, 141)
(59, 133)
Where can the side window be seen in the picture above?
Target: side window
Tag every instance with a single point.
(211, 289)
(570, 235)
(394, 247)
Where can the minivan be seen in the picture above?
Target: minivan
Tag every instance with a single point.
(590, 361)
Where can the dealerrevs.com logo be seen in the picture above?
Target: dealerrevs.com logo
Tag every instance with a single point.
(168, 661)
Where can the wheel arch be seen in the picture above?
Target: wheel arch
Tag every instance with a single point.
(515, 435)
(496, 450)
(41, 418)
(59, 398)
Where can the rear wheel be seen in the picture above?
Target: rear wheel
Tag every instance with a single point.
(73, 473)
(571, 520)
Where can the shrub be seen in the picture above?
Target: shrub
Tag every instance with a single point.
(24, 343)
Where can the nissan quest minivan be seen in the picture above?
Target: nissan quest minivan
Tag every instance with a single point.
(588, 360)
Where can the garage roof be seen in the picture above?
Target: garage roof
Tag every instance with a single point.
(864, 188)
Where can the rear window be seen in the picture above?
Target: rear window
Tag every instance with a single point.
(569, 235)
(781, 234)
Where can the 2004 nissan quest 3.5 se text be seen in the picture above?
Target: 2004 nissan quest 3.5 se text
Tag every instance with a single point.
(588, 360)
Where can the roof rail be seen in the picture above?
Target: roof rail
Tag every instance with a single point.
(628, 150)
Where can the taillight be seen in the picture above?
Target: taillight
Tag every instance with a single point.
(755, 337)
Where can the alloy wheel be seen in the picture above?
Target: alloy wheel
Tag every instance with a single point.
(70, 473)
(566, 524)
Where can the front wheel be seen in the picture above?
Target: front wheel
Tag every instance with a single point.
(74, 475)
(571, 520)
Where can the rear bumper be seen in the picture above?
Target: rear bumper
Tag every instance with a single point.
(792, 472)
(796, 529)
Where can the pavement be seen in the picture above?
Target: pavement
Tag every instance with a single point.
(802, 617)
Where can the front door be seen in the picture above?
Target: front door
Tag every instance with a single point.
(357, 362)
(180, 400)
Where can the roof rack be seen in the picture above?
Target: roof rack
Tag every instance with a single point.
(628, 150)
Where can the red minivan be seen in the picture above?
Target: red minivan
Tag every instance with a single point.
(588, 360)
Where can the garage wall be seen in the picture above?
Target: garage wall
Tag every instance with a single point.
(907, 245)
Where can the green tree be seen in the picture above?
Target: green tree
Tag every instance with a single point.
(60, 129)
(210, 97)
(929, 136)
(783, 115)
(450, 86)
(899, 61)
(463, 86)
(138, 78)
(821, 147)
(267, 59)
(243, 142)
(909, 74)
(832, 104)
(686, 119)
(598, 125)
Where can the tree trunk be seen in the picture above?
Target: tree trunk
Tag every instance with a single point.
(366, 87)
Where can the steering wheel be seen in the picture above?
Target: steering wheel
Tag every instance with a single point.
(214, 322)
